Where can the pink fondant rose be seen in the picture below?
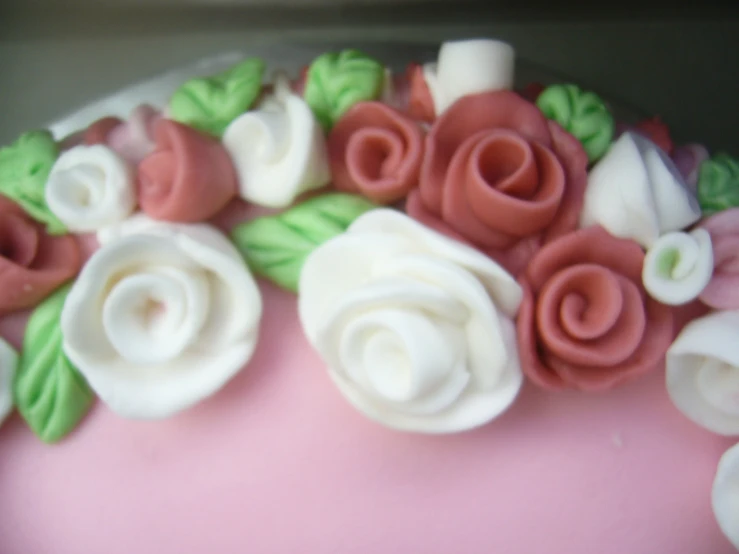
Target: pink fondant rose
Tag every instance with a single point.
(99, 131)
(722, 292)
(133, 139)
(586, 321)
(188, 178)
(32, 263)
(499, 175)
(376, 151)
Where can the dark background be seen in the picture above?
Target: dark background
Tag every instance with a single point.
(681, 63)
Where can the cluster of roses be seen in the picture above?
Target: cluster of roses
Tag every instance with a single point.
(494, 173)
(518, 263)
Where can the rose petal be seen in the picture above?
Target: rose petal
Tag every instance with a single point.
(99, 131)
(19, 240)
(574, 161)
(32, 263)
(588, 260)
(376, 151)
(539, 373)
(466, 117)
(420, 103)
(188, 178)
(591, 245)
(588, 316)
(722, 291)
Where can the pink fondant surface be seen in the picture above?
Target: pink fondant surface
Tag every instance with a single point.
(278, 462)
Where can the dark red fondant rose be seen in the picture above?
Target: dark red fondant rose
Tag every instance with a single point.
(189, 176)
(532, 91)
(500, 176)
(376, 151)
(32, 263)
(585, 321)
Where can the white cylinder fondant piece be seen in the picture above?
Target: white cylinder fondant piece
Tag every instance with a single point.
(469, 67)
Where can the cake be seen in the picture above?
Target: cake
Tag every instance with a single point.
(359, 310)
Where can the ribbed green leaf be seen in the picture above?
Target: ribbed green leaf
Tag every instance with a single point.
(49, 392)
(338, 80)
(276, 246)
(24, 170)
(583, 114)
(211, 103)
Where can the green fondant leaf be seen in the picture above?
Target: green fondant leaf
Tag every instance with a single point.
(718, 184)
(211, 103)
(24, 169)
(338, 80)
(49, 392)
(583, 114)
(276, 246)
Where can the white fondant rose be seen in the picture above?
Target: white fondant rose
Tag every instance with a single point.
(416, 329)
(703, 372)
(8, 363)
(90, 187)
(725, 495)
(278, 150)
(678, 266)
(162, 316)
(468, 67)
(636, 192)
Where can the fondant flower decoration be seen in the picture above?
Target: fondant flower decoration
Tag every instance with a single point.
(678, 266)
(338, 80)
(187, 178)
(586, 321)
(689, 158)
(32, 263)
(209, 104)
(497, 174)
(161, 317)
(420, 104)
(703, 372)
(416, 330)
(581, 113)
(376, 151)
(725, 495)
(636, 192)
(722, 292)
(90, 187)
(8, 364)
(718, 184)
(24, 168)
(133, 139)
(278, 150)
(469, 67)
